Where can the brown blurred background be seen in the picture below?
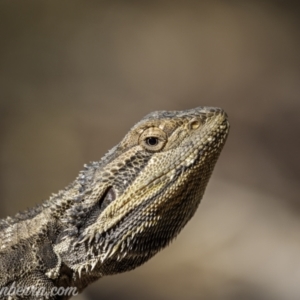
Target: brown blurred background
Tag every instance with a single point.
(76, 75)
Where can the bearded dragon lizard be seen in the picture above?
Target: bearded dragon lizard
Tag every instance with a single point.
(119, 211)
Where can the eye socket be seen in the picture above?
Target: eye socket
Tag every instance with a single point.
(153, 139)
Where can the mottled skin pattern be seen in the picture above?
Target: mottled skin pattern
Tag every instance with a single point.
(119, 211)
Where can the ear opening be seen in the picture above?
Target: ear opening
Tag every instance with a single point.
(108, 197)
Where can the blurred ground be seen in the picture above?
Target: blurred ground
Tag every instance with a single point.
(75, 76)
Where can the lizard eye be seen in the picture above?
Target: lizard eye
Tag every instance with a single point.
(153, 139)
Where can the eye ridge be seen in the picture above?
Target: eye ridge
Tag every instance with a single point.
(152, 141)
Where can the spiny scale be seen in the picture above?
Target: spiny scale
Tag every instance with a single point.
(119, 211)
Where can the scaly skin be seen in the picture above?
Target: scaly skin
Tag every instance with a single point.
(119, 211)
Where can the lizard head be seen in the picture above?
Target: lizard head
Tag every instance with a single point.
(145, 189)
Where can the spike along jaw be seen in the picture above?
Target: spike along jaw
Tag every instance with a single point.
(155, 180)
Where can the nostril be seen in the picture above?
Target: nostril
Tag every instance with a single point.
(194, 124)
